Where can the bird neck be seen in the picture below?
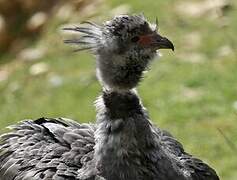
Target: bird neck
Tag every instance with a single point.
(123, 134)
(121, 72)
(119, 104)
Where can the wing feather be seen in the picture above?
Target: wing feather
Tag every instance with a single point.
(191, 167)
(47, 149)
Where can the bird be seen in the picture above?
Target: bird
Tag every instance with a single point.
(123, 144)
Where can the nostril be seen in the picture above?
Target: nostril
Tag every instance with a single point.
(135, 39)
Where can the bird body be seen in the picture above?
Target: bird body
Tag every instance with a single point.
(123, 144)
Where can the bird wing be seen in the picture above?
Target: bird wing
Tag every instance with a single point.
(56, 149)
(190, 166)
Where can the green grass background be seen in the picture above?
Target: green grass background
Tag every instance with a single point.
(190, 99)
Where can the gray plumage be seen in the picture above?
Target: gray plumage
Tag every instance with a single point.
(123, 144)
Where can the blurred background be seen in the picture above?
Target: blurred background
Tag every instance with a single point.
(191, 92)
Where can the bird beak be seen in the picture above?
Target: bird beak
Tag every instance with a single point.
(160, 42)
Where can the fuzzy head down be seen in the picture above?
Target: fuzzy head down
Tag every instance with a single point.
(124, 47)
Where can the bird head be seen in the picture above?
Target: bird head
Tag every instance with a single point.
(124, 46)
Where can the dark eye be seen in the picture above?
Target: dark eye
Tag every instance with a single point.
(135, 39)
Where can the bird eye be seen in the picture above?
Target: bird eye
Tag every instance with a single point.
(135, 39)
